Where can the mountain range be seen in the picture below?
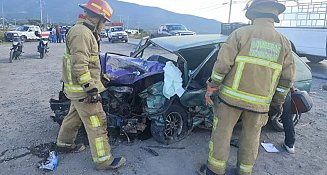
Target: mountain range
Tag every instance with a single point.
(133, 15)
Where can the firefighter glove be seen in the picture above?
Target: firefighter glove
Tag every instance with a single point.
(92, 96)
(209, 93)
(274, 110)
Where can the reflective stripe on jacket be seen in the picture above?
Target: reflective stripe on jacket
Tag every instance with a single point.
(81, 64)
(254, 67)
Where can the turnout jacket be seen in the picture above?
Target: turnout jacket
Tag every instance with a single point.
(254, 68)
(81, 64)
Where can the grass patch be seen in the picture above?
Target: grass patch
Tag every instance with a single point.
(1, 36)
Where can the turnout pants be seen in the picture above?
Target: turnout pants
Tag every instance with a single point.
(94, 119)
(225, 118)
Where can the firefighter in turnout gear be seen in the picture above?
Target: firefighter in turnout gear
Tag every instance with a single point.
(253, 73)
(82, 85)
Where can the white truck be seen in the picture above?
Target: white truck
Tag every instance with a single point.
(308, 42)
(304, 24)
(117, 33)
(26, 32)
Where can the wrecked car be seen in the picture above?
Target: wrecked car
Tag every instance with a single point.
(161, 86)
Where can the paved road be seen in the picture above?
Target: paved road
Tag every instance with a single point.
(26, 129)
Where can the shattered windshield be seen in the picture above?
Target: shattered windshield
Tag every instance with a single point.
(153, 51)
(22, 28)
(176, 27)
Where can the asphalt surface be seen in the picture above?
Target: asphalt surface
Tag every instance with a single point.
(26, 130)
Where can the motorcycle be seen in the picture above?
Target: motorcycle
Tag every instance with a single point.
(16, 49)
(42, 48)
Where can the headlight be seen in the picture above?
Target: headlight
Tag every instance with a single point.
(177, 34)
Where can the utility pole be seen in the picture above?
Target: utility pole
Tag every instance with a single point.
(41, 11)
(3, 17)
(127, 22)
(230, 10)
(47, 21)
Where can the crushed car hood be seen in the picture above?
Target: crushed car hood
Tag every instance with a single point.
(128, 70)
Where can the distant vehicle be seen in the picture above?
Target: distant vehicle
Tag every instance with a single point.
(117, 33)
(103, 34)
(172, 30)
(26, 32)
(132, 32)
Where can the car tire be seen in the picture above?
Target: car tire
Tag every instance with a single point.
(24, 38)
(314, 60)
(277, 123)
(174, 127)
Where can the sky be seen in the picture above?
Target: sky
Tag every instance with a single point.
(211, 9)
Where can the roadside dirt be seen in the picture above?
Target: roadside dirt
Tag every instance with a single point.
(28, 84)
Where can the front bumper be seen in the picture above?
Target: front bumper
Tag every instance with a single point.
(119, 38)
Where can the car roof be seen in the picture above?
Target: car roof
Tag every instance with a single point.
(172, 24)
(177, 43)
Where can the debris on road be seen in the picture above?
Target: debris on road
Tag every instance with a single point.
(149, 150)
(166, 147)
(50, 164)
(269, 147)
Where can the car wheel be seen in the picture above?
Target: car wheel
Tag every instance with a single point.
(277, 123)
(172, 126)
(314, 59)
(24, 38)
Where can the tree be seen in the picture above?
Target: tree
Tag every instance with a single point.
(35, 22)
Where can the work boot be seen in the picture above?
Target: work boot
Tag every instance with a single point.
(117, 163)
(204, 170)
(70, 149)
(289, 149)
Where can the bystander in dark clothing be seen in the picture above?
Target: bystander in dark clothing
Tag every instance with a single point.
(287, 119)
(58, 34)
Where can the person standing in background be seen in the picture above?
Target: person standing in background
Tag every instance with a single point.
(63, 33)
(58, 34)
